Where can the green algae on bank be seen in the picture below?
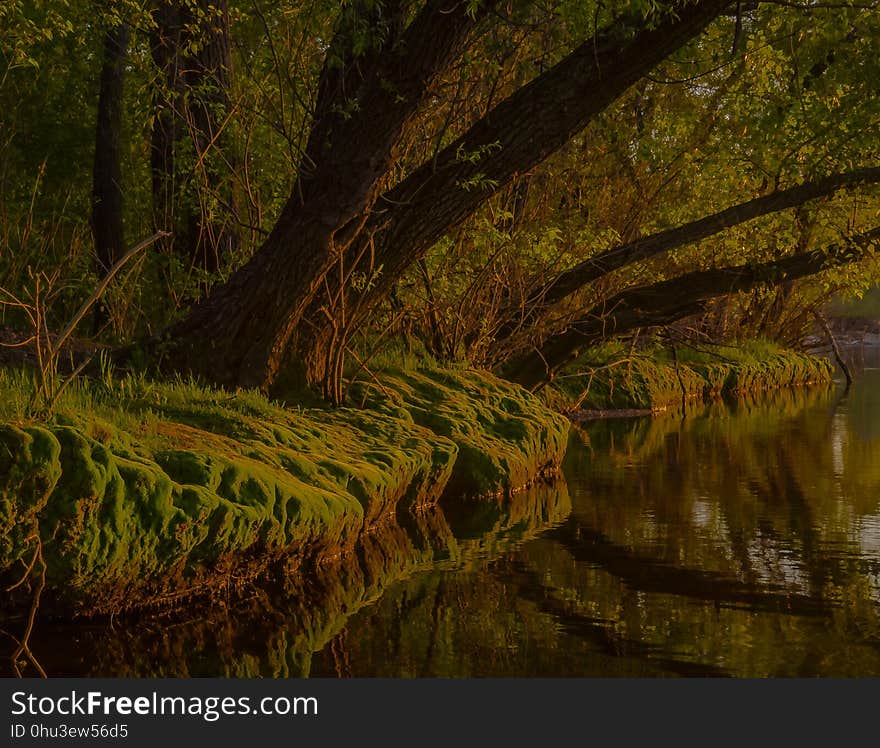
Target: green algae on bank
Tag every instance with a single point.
(505, 435)
(285, 622)
(144, 493)
(653, 380)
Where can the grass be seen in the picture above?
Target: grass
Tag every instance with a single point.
(140, 490)
(653, 379)
(143, 492)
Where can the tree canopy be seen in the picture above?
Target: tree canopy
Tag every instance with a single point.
(501, 183)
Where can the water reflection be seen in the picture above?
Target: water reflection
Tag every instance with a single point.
(737, 541)
(276, 630)
(740, 540)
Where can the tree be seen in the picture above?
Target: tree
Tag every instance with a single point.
(644, 248)
(671, 300)
(107, 187)
(477, 174)
(192, 198)
(239, 335)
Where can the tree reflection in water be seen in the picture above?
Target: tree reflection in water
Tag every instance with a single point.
(741, 540)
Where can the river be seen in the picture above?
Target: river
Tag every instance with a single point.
(739, 540)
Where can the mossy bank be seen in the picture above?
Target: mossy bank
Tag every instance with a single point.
(139, 493)
(656, 379)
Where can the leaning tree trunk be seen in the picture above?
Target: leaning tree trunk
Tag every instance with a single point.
(569, 282)
(671, 300)
(238, 335)
(510, 140)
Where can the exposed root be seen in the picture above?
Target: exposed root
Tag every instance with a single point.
(23, 647)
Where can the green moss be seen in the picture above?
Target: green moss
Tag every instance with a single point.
(504, 434)
(652, 380)
(29, 471)
(285, 627)
(141, 491)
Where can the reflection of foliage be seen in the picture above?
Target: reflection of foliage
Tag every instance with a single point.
(772, 493)
(305, 613)
(726, 544)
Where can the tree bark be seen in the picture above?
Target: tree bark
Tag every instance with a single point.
(671, 300)
(238, 335)
(570, 281)
(107, 195)
(513, 138)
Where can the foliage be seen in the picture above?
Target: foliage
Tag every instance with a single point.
(785, 99)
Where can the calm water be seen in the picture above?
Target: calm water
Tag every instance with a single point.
(742, 540)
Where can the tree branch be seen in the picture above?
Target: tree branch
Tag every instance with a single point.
(522, 131)
(365, 100)
(594, 268)
(671, 300)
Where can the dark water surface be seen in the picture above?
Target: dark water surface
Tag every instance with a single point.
(743, 540)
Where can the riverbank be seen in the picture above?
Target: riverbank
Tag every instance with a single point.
(280, 627)
(664, 551)
(617, 381)
(143, 494)
(137, 493)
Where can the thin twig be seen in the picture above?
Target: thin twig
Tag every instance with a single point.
(99, 291)
(23, 646)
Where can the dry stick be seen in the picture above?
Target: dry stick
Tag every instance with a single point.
(835, 348)
(355, 315)
(76, 372)
(362, 365)
(33, 311)
(54, 348)
(39, 324)
(27, 309)
(23, 647)
(28, 569)
(594, 369)
(335, 357)
(99, 291)
(375, 349)
(593, 372)
(678, 375)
